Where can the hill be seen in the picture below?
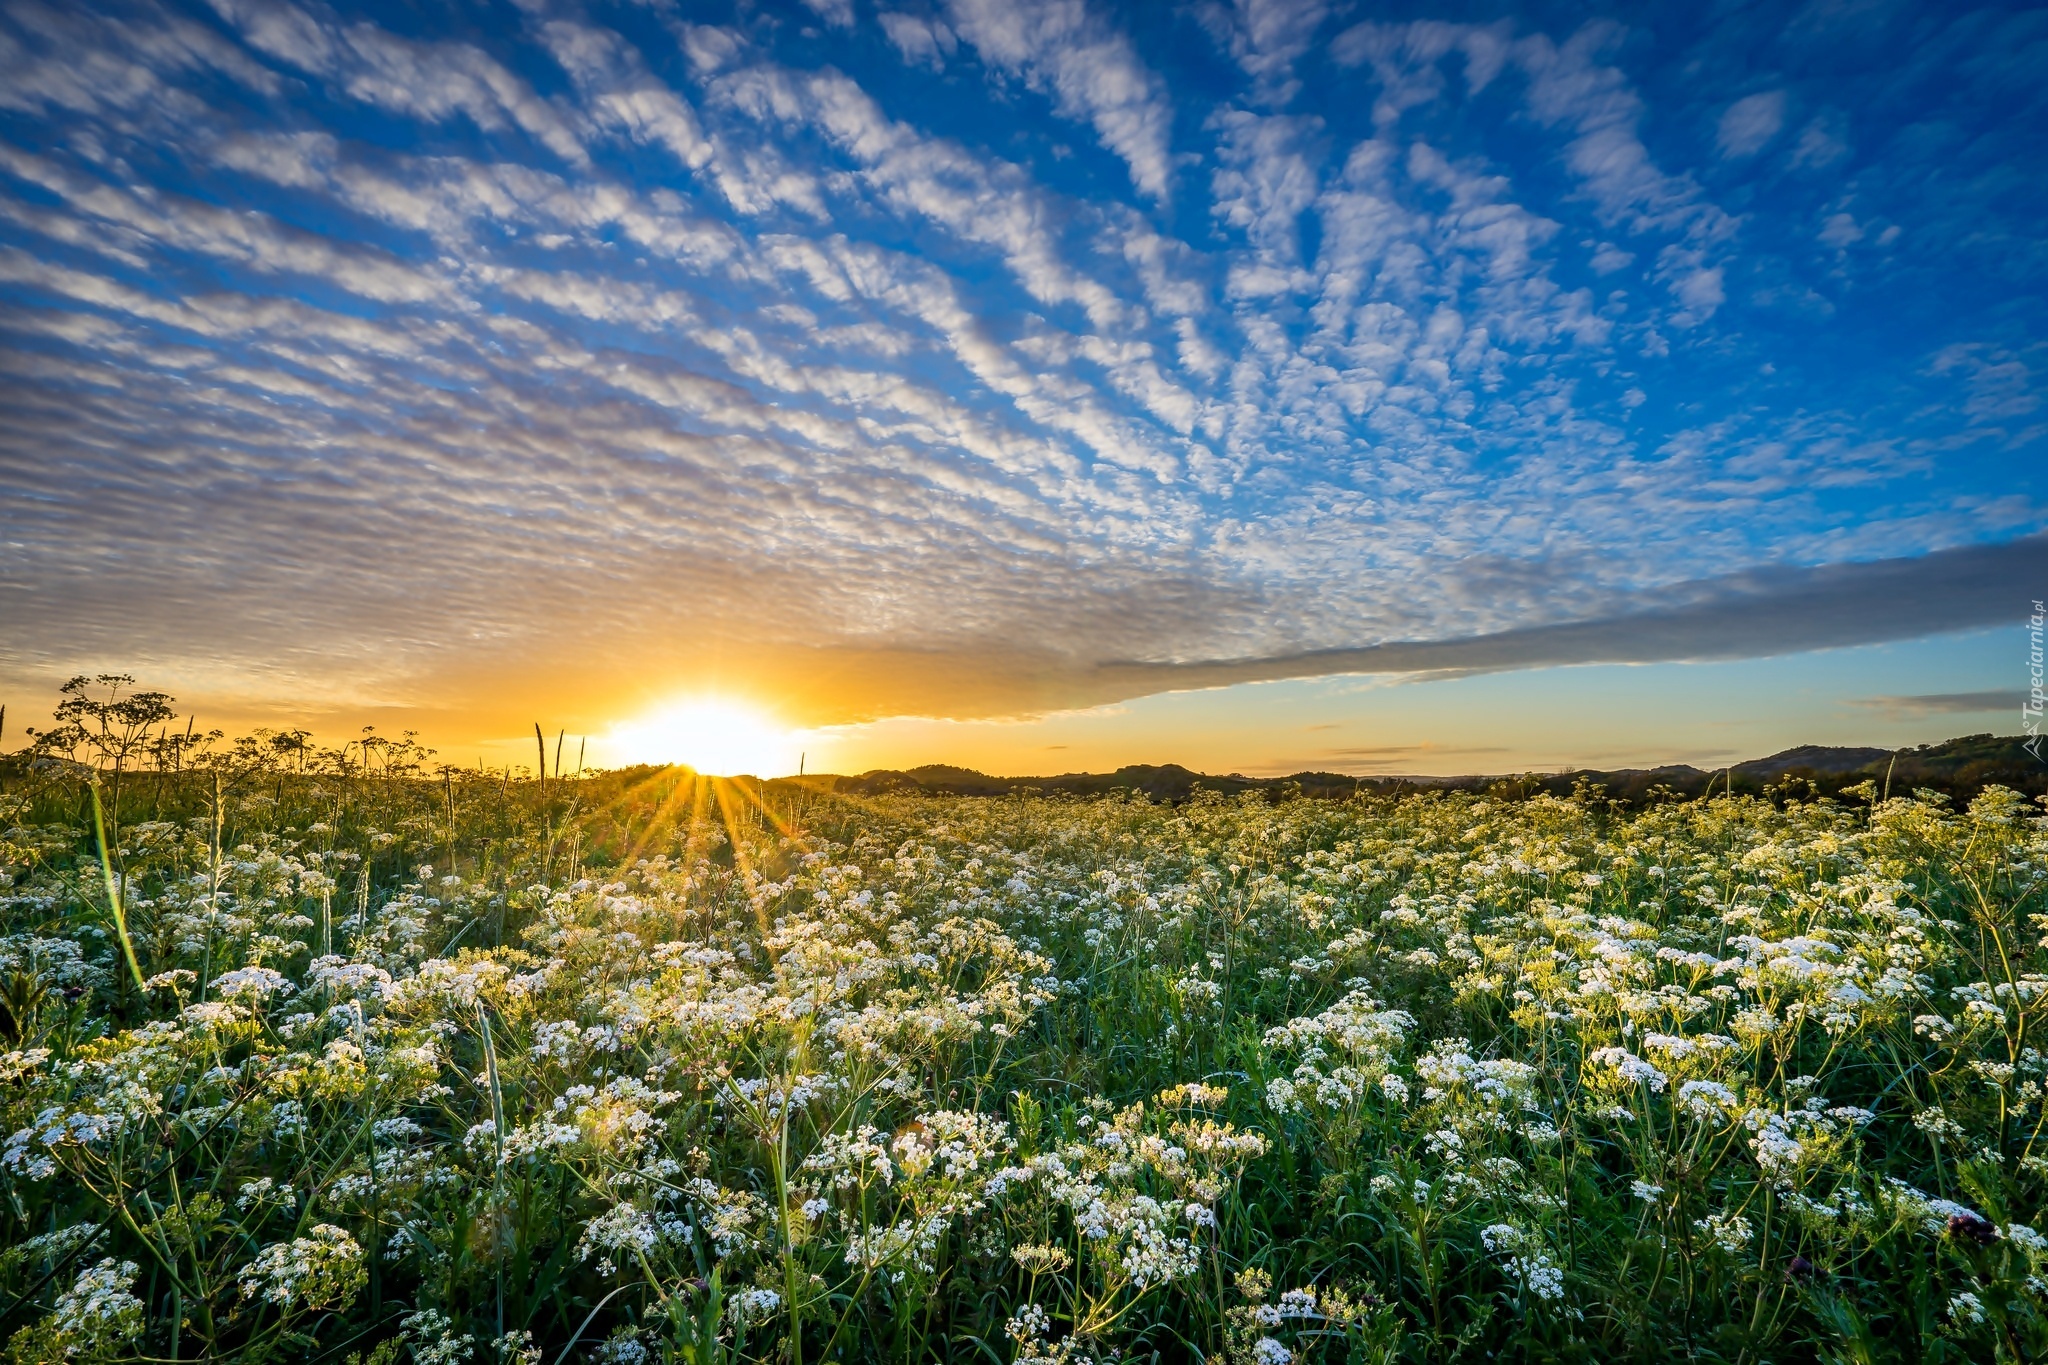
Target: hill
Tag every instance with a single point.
(1957, 768)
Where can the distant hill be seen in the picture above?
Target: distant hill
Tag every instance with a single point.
(1958, 768)
(1814, 758)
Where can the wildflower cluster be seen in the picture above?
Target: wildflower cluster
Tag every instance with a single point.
(646, 1066)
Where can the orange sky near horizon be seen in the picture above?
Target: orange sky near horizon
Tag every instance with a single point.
(1705, 713)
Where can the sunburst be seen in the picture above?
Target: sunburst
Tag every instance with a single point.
(714, 735)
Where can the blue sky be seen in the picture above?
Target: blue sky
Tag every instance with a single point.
(995, 364)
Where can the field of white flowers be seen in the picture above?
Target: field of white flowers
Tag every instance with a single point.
(334, 1059)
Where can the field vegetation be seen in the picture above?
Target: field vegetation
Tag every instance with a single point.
(335, 1054)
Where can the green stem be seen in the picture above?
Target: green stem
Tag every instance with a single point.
(99, 830)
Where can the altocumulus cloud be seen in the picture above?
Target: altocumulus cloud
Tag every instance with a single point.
(973, 358)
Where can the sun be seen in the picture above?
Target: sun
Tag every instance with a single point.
(714, 735)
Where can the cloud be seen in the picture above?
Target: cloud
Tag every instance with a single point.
(430, 80)
(1570, 88)
(1925, 704)
(923, 42)
(252, 240)
(1751, 122)
(1754, 614)
(1406, 60)
(1264, 179)
(1267, 37)
(135, 65)
(1385, 760)
(837, 13)
(2001, 386)
(1821, 144)
(991, 203)
(1091, 70)
(1701, 291)
(1840, 230)
(622, 94)
(598, 354)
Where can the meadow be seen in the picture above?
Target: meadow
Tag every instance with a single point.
(339, 1055)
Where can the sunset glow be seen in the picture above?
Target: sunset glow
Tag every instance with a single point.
(714, 735)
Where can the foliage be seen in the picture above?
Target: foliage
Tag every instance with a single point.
(480, 1067)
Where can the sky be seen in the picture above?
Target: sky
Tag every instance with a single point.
(1037, 385)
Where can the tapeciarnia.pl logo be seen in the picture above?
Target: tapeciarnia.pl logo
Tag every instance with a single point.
(2030, 709)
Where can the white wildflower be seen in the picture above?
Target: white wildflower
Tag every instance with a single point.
(324, 1270)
